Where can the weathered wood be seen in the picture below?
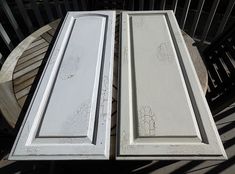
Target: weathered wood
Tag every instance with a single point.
(47, 37)
(34, 54)
(29, 62)
(37, 49)
(22, 100)
(24, 84)
(19, 80)
(9, 106)
(35, 43)
(27, 70)
(197, 61)
(23, 92)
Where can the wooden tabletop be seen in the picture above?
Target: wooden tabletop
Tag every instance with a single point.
(32, 50)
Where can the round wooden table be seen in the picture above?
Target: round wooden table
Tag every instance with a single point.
(23, 64)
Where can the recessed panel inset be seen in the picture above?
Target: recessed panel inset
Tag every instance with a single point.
(163, 113)
(152, 61)
(78, 75)
(69, 115)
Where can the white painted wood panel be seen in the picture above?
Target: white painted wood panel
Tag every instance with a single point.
(69, 115)
(163, 113)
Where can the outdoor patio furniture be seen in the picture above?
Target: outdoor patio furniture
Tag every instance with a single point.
(219, 59)
(204, 24)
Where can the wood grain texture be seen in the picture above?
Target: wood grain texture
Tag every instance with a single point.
(9, 106)
(163, 111)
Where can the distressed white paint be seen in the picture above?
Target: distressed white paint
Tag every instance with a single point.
(163, 112)
(69, 115)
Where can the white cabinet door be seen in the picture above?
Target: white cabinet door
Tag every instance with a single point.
(163, 112)
(69, 115)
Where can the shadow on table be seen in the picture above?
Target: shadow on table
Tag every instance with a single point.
(225, 122)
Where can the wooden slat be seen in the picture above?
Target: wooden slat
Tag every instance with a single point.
(21, 101)
(33, 44)
(38, 38)
(209, 20)
(214, 74)
(185, 14)
(23, 92)
(27, 70)
(11, 19)
(228, 63)
(47, 37)
(6, 38)
(29, 62)
(30, 56)
(34, 49)
(25, 16)
(54, 24)
(48, 10)
(21, 79)
(51, 32)
(23, 85)
(114, 92)
(226, 16)
(210, 82)
(151, 4)
(221, 70)
(197, 17)
(37, 13)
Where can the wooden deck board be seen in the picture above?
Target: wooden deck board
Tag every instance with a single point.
(34, 44)
(24, 84)
(29, 62)
(47, 37)
(27, 69)
(21, 79)
(52, 32)
(23, 92)
(34, 49)
(36, 53)
(22, 100)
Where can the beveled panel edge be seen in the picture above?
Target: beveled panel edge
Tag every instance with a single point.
(136, 138)
(106, 85)
(220, 153)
